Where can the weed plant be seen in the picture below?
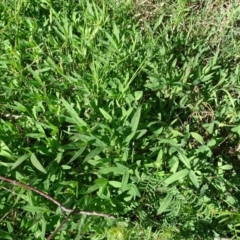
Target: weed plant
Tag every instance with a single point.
(129, 108)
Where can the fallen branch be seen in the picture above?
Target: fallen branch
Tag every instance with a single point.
(68, 210)
(59, 227)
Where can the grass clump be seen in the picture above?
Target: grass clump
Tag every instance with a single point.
(129, 108)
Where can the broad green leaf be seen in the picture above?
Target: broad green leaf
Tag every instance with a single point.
(135, 120)
(83, 138)
(197, 137)
(159, 159)
(116, 31)
(35, 135)
(172, 142)
(177, 176)
(158, 132)
(226, 167)
(205, 149)
(176, 133)
(173, 164)
(183, 158)
(193, 178)
(105, 114)
(165, 204)
(44, 224)
(137, 174)
(114, 170)
(115, 184)
(187, 73)
(93, 188)
(122, 167)
(125, 179)
(36, 163)
(5, 151)
(66, 167)
(101, 181)
(104, 192)
(20, 160)
(6, 164)
(140, 133)
(93, 153)
(129, 197)
(150, 165)
(59, 156)
(9, 227)
(138, 95)
(35, 209)
(73, 114)
(207, 77)
(211, 143)
(209, 127)
(134, 125)
(236, 129)
(129, 138)
(125, 154)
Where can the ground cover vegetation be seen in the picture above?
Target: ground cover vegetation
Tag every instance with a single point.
(125, 108)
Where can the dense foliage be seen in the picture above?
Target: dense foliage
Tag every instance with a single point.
(129, 108)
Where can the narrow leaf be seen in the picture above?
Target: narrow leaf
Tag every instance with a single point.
(226, 167)
(197, 137)
(115, 184)
(35, 209)
(105, 115)
(36, 163)
(193, 178)
(159, 159)
(135, 119)
(141, 133)
(125, 179)
(177, 176)
(93, 188)
(116, 31)
(183, 158)
(77, 154)
(35, 135)
(5, 151)
(129, 137)
(114, 170)
(20, 160)
(93, 153)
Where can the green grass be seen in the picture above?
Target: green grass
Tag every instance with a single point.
(129, 108)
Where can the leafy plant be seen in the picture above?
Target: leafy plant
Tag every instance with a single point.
(127, 109)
